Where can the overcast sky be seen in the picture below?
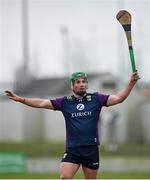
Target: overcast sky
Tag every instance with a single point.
(95, 41)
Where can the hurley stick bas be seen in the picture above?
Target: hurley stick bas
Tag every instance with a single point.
(124, 17)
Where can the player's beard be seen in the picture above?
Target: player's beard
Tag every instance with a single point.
(80, 93)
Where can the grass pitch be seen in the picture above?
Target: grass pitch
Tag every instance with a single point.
(79, 175)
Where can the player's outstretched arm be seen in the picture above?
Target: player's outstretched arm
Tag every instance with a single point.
(33, 102)
(124, 93)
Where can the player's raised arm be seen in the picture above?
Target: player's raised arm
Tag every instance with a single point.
(124, 93)
(33, 102)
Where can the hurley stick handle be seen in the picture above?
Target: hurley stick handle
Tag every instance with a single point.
(132, 61)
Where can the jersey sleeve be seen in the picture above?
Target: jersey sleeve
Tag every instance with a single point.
(57, 103)
(103, 98)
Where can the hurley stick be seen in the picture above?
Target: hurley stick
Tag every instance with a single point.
(124, 17)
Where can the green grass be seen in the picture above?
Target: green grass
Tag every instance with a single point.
(53, 149)
(35, 149)
(79, 175)
(56, 150)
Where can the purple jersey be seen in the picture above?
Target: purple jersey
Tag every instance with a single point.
(81, 117)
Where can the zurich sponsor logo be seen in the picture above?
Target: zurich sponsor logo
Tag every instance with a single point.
(80, 107)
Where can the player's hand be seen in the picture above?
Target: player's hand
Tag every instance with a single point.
(12, 95)
(135, 76)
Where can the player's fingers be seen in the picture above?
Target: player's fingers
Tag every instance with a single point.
(136, 76)
(9, 93)
(136, 72)
(12, 98)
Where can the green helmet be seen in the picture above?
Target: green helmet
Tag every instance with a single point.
(76, 75)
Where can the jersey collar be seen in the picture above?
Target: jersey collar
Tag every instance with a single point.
(80, 97)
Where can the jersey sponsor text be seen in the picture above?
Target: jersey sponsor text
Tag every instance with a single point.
(78, 114)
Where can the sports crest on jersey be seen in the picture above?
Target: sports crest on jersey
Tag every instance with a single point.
(69, 98)
(88, 98)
